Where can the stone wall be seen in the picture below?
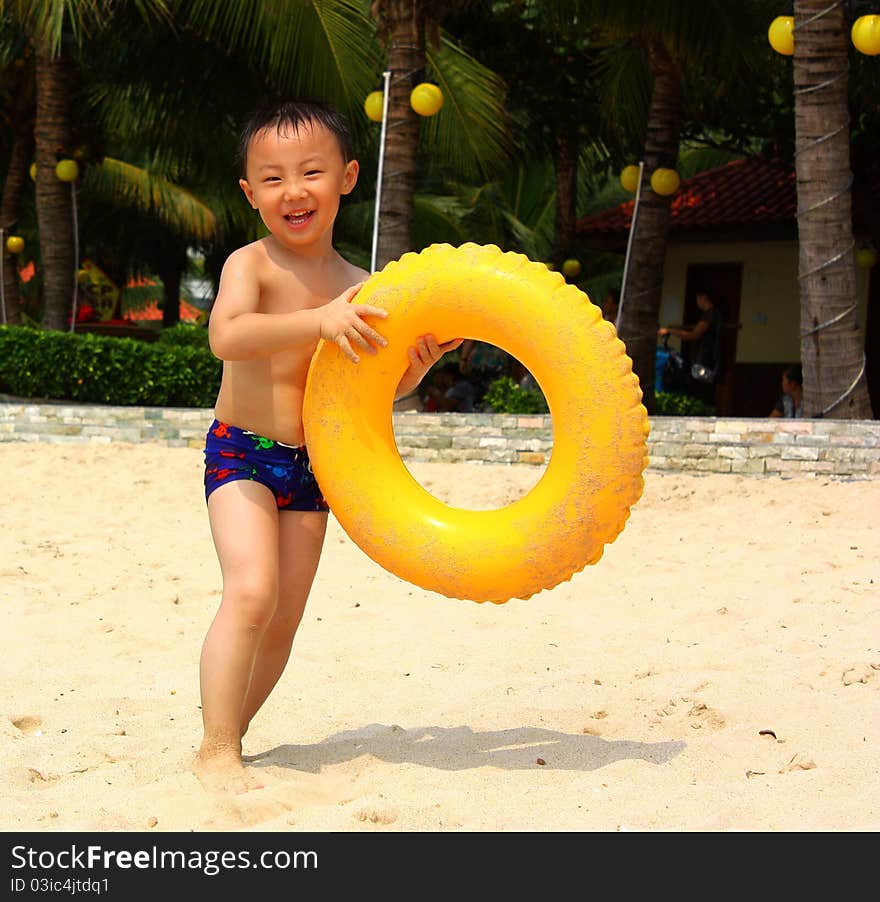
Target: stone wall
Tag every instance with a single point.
(848, 449)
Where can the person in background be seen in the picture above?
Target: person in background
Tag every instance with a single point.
(708, 356)
(791, 401)
(447, 390)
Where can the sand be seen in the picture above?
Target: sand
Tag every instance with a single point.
(717, 670)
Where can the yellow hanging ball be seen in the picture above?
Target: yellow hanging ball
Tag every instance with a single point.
(629, 178)
(571, 268)
(665, 181)
(33, 171)
(373, 105)
(781, 35)
(15, 244)
(67, 170)
(866, 35)
(866, 257)
(426, 99)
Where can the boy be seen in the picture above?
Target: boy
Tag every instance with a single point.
(277, 297)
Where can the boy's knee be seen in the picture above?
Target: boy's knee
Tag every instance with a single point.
(255, 601)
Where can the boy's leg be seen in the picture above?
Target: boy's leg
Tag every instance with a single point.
(244, 524)
(300, 539)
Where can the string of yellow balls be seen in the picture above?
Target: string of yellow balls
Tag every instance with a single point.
(66, 170)
(865, 35)
(425, 98)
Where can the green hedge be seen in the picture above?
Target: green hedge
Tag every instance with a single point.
(106, 370)
(505, 396)
(671, 404)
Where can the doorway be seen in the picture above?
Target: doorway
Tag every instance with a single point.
(723, 283)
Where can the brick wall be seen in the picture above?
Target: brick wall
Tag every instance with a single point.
(848, 449)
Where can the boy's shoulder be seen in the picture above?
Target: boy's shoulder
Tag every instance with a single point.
(248, 254)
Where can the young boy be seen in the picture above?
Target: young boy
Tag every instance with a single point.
(277, 297)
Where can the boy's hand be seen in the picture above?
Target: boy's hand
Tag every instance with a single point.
(422, 356)
(342, 323)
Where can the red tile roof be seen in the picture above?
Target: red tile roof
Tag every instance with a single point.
(747, 192)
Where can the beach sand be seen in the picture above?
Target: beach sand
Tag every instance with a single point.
(717, 670)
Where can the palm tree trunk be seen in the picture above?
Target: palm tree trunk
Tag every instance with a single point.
(644, 282)
(170, 274)
(832, 344)
(565, 163)
(403, 21)
(9, 210)
(54, 202)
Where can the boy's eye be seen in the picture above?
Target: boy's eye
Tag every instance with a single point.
(314, 172)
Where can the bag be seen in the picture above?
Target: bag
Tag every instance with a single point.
(673, 378)
(700, 373)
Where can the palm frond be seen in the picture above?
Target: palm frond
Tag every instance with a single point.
(471, 132)
(141, 190)
(320, 48)
(47, 20)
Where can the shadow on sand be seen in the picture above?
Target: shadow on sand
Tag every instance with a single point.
(460, 748)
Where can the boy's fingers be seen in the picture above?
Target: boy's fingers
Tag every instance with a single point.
(345, 346)
(370, 310)
(354, 335)
(364, 330)
(431, 346)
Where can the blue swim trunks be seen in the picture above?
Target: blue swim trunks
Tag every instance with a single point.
(232, 453)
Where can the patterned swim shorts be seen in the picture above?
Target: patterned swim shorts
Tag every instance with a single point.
(232, 453)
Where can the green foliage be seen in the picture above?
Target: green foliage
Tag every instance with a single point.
(670, 404)
(185, 335)
(505, 396)
(105, 370)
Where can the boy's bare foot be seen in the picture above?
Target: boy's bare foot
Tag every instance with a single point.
(221, 770)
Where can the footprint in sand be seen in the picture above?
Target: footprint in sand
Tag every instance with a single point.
(27, 723)
(699, 715)
(282, 795)
(378, 812)
(859, 673)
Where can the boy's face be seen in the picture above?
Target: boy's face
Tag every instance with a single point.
(295, 180)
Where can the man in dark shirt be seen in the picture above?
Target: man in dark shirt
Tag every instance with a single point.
(708, 358)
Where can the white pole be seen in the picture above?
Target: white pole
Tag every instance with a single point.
(386, 77)
(632, 229)
(75, 255)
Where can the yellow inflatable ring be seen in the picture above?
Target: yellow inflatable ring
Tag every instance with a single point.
(600, 427)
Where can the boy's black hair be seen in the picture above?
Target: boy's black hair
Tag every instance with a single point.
(795, 373)
(293, 115)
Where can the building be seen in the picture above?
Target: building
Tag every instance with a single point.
(733, 229)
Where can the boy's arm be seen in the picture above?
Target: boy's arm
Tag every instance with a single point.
(237, 331)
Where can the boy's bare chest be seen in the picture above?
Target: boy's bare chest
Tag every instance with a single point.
(285, 292)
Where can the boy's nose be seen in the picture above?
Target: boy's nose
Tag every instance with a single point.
(294, 189)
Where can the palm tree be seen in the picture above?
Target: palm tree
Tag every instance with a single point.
(322, 47)
(469, 132)
(16, 84)
(706, 39)
(554, 105)
(55, 28)
(832, 343)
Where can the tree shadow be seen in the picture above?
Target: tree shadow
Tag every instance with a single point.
(461, 748)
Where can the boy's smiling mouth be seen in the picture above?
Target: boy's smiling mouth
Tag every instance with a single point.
(299, 217)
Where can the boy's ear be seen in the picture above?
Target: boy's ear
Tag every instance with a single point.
(349, 179)
(248, 192)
